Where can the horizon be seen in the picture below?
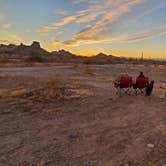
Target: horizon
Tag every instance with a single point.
(121, 28)
(127, 57)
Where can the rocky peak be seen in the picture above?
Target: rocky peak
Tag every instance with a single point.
(35, 44)
(101, 55)
(65, 53)
(21, 44)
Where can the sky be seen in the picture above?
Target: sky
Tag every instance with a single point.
(87, 27)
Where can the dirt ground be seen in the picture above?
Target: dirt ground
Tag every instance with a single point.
(70, 115)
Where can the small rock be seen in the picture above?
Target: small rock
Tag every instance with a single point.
(89, 163)
(2, 158)
(150, 145)
(74, 136)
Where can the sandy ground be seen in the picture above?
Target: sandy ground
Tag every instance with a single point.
(91, 127)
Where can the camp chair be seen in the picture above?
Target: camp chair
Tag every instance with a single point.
(123, 84)
(141, 84)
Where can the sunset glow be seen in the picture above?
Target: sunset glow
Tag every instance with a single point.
(87, 27)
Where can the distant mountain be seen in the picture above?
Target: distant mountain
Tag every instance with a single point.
(34, 53)
(22, 49)
(102, 58)
(101, 55)
(64, 56)
(63, 53)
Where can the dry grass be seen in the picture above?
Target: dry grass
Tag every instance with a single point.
(1, 93)
(18, 92)
(49, 91)
(52, 90)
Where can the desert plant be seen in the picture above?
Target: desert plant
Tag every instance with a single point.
(36, 58)
(55, 83)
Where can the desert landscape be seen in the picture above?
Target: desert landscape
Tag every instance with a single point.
(82, 83)
(69, 114)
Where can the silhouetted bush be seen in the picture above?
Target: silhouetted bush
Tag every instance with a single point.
(36, 58)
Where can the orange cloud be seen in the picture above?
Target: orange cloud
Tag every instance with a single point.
(56, 25)
(108, 17)
(96, 31)
(8, 38)
(71, 43)
(87, 18)
(83, 16)
(103, 30)
(54, 43)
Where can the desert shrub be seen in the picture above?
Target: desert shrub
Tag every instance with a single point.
(36, 58)
(18, 92)
(51, 90)
(87, 62)
(55, 83)
(1, 93)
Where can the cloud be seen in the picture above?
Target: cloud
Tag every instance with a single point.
(87, 18)
(71, 43)
(145, 35)
(4, 41)
(78, 1)
(108, 28)
(108, 21)
(82, 16)
(56, 25)
(7, 25)
(60, 12)
(54, 43)
(8, 38)
(58, 34)
(106, 9)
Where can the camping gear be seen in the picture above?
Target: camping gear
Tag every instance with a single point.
(141, 84)
(124, 83)
(149, 88)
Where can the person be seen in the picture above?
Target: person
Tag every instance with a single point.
(141, 74)
(141, 82)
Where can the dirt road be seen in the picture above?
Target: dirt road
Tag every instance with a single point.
(93, 127)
